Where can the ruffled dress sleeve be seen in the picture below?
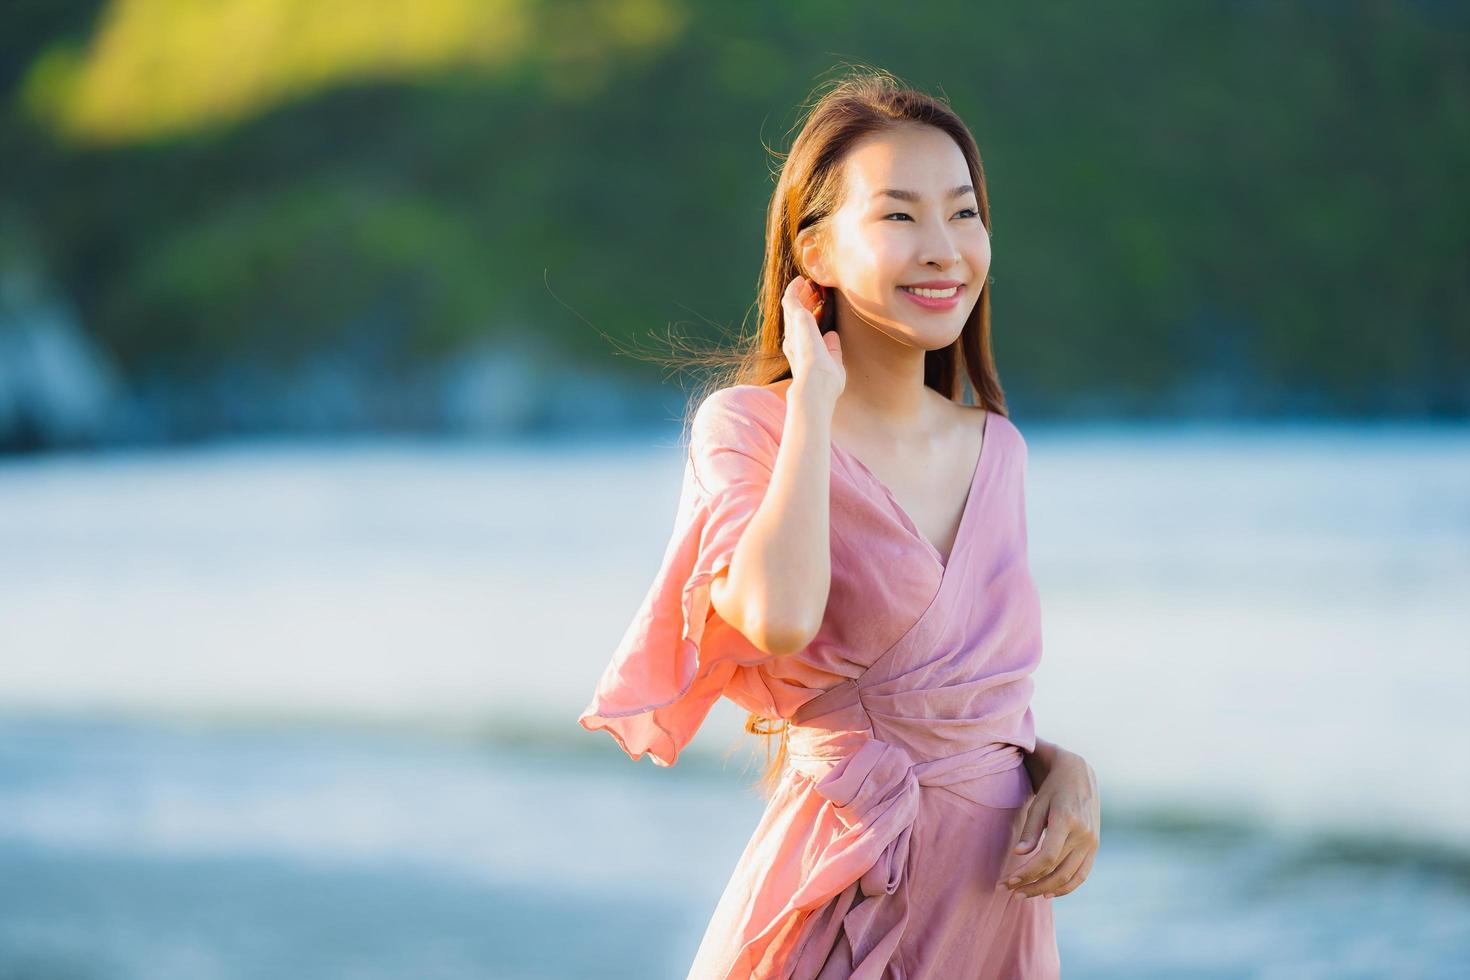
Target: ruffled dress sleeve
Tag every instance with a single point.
(670, 668)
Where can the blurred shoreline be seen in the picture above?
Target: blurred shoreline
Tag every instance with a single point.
(154, 850)
(1212, 824)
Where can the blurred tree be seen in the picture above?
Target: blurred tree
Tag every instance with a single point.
(1247, 207)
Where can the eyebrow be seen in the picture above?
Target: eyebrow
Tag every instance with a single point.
(915, 196)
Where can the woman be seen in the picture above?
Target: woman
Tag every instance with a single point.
(850, 558)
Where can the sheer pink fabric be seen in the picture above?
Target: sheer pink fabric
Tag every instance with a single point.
(882, 853)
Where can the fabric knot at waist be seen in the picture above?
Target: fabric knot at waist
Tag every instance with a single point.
(872, 776)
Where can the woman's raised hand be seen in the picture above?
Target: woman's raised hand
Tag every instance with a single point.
(814, 357)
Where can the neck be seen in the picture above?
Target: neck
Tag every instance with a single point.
(885, 391)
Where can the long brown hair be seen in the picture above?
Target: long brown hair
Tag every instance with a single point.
(809, 188)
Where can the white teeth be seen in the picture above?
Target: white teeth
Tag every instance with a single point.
(932, 293)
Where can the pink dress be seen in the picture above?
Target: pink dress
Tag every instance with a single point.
(883, 852)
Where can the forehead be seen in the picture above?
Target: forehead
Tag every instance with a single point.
(910, 157)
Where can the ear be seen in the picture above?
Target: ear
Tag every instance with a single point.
(811, 256)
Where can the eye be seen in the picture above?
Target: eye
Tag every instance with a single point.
(901, 214)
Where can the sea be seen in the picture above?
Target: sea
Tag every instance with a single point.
(307, 708)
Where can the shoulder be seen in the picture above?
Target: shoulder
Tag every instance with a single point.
(743, 399)
(744, 417)
(994, 424)
(747, 397)
(1003, 423)
(1002, 427)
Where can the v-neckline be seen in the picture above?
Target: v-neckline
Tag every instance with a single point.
(944, 561)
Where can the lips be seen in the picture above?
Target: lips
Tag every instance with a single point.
(946, 300)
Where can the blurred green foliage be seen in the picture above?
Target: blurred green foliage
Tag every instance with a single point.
(1266, 199)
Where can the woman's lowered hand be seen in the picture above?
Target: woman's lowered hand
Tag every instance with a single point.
(1067, 807)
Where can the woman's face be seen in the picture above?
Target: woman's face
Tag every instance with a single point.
(879, 243)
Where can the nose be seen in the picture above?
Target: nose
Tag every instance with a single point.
(938, 250)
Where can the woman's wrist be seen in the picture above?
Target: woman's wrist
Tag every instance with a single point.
(813, 395)
(808, 419)
(1040, 760)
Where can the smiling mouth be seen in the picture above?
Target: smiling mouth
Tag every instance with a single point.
(931, 293)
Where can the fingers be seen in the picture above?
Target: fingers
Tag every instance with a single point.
(1051, 884)
(802, 293)
(1031, 829)
(1041, 864)
(800, 301)
(833, 340)
(1078, 876)
(802, 339)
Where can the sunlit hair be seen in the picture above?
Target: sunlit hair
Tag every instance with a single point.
(809, 189)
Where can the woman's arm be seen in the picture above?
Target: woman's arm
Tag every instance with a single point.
(775, 590)
(1040, 761)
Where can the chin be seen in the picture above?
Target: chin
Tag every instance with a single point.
(925, 338)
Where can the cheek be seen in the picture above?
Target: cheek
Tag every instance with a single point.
(880, 265)
(981, 251)
(868, 267)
